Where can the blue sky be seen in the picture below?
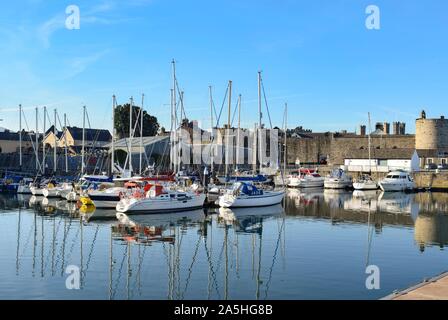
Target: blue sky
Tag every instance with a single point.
(317, 56)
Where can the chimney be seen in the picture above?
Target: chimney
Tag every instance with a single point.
(396, 128)
(402, 128)
(386, 128)
(362, 130)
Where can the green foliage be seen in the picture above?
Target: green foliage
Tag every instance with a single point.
(150, 123)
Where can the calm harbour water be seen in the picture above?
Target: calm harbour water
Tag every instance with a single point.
(318, 247)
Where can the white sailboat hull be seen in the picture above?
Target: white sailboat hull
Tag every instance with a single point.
(305, 183)
(367, 185)
(50, 193)
(337, 184)
(244, 201)
(36, 191)
(160, 205)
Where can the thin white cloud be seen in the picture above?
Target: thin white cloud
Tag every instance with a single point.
(49, 27)
(79, 64)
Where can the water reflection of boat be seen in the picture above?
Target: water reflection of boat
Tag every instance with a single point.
(146, 229)
(365, 194)
(24, 200)
(91, 213)
(336, 198)
(430, 230)
(398, 202)
(248, 220)
(8, 202)
(308, 197)
(36, 200)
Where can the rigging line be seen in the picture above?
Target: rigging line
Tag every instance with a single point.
(139, 268)
(73, 244)
(266, 102)
(91, 250)
(120, 271)
(50, 249)
(222, 106)
(181, 102)
(190, 269)
(274, 258)
(32, 140)
(234, 112)
(211, 268)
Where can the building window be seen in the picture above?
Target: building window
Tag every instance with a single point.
(429, 161)
(444, 161)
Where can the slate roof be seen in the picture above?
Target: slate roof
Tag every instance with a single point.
(14, 136)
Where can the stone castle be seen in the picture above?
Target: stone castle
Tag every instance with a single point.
(430, 140)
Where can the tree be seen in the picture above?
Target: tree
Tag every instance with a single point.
(150, 123)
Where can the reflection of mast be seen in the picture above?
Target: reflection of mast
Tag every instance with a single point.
(81, 251)
(226, 273)
(53, 245)
(128, 278)
(18, 242)
(259, 268)
(211, 254)
(369, 235)
(110, 263)
(34, 243)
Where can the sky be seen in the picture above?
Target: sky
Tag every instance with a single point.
(317, 56)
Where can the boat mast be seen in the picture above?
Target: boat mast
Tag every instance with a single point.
(284, 148)
(55, 143)
(228, 128)
(43, 140)
(238, 132)
(211, 130)
(173, 148)
(174, 96)
(83, 139)
(259, 121)
(130, 134)
(112, 161)
(37, 139)
(20, 136)
(370, 149)
(65, 143)
(141, 133)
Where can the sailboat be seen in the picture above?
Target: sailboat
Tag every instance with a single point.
(338, 179)
(159, 199)
(365, 182)
(243, 176)
(244, 195)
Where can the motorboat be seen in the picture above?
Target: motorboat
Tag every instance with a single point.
(158, 199)
(397, 181)
(365, 182)
(107, 198)
(338, 179)
(306, 178)
(245, 176)
(244, 195)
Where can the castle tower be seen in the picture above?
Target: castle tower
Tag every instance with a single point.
(431, 134)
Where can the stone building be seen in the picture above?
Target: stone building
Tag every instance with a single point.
(10, 141)
(430, 141)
